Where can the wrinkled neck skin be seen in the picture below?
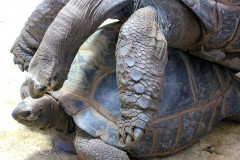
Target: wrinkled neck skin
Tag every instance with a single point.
(73, 25)
(60, 120)
(64, 123)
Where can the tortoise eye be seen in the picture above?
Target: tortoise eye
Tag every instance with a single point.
(26, 114)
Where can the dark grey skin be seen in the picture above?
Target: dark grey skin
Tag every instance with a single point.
(186, 114)
(32, 34)
(63, 43)
(45, 113)
(141, 49)
(197, 95)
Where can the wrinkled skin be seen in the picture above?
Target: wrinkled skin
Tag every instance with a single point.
(141, 51)
(45, 112)
(32, 34)
(55, 70)
(32, 112)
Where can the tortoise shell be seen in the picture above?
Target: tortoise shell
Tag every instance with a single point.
(196, 97)
(219, 40)
(220, 19)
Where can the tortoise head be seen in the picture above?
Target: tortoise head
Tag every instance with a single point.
(38, 113)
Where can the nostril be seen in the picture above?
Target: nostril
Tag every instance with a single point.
(26, 114)
(41, 88)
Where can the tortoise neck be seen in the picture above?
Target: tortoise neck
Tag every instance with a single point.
(61, 121)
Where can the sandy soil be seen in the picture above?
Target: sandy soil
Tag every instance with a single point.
(20, 143)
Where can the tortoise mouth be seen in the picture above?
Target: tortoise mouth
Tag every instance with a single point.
(26, 122)
(35, 124)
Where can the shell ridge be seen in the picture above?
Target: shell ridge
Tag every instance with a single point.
(191, 77)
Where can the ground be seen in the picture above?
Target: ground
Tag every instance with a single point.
(21, 143)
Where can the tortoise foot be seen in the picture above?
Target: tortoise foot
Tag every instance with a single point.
(42, 80)
(38, 88)
(22, 54)
(141, 61)
(132, 125)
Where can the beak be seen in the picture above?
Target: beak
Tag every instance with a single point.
(18, 113)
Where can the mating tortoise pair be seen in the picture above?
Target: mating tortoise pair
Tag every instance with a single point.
(56, 30)
(197, 95)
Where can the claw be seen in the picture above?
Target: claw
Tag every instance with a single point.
(121, 141)
(26, 64)
(122, 136)
(128, 130)
(15, 59)
(21, 67)
(128, 139)
(19, 60)
(137, 133)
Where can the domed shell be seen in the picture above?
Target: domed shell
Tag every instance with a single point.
(193, 96)
(90, 94)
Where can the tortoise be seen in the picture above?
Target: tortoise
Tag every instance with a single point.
(208, 29)
(197, 95)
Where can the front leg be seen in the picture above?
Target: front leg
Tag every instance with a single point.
(32, 33)
(72, 26)
(89, 148)
(141, 60)
(24, 91)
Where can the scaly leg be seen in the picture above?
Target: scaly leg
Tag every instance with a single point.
(90, 149)
(76, 21)
(141, 60)
(24, 91)
(32, 33)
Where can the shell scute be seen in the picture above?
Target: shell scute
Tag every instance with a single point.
(205, 125)
(82, 73)
(147, 140)
(166, 132)
(233, 92)
(72, 104)
(179, 94)
(90, 122)
(103, 44)
(206, 79)
(219, 112)
(97, 125)
(190, 124)
(106, 94)
(220, 20)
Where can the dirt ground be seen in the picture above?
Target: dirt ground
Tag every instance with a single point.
(21, 143)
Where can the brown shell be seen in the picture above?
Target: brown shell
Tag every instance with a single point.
(196, 97)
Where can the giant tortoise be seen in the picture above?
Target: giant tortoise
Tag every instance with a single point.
(206, 28)
(197, 95)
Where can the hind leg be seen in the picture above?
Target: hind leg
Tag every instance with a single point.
(89, 148)
(63, 144)
(141, 60)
